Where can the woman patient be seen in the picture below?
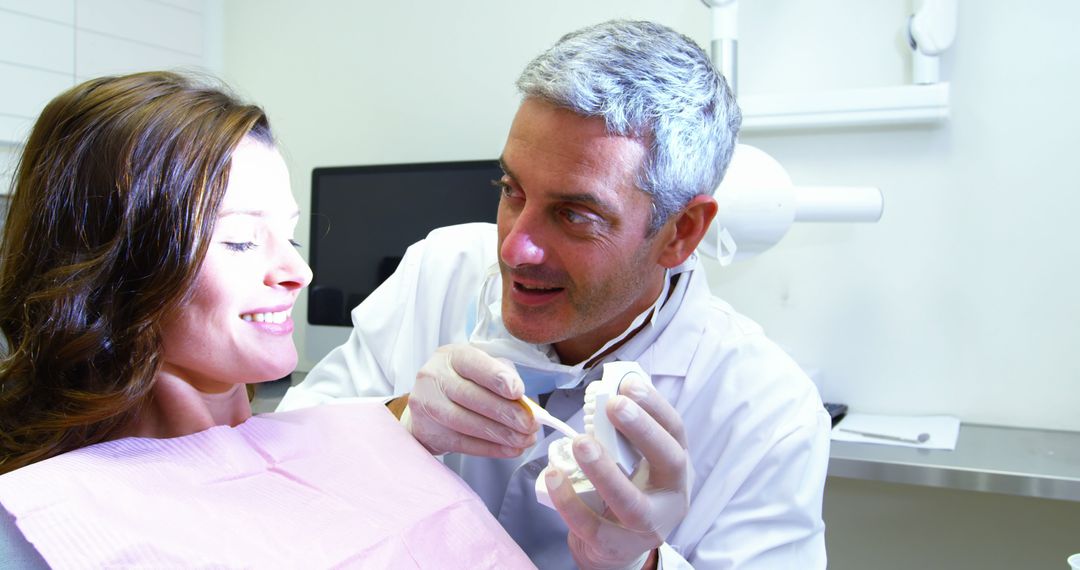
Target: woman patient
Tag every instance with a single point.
(148, 274)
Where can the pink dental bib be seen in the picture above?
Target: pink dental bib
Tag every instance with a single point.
(336, 486)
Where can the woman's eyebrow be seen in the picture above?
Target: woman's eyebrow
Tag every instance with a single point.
(253, 213)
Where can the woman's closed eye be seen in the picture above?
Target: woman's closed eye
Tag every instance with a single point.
(240, 246)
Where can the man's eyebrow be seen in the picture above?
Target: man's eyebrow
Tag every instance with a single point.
(582, 198)
(506, 169)
(575, 197)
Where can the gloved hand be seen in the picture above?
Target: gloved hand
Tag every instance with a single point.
(466, 401)
(641, 512)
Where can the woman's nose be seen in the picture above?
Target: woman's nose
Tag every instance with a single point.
(290, 270)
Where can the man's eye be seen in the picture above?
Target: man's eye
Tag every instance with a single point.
(240, 246)
(296, 244)
(505, 189)
(575, 217)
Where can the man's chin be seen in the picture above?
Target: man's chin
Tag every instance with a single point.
(530, 334)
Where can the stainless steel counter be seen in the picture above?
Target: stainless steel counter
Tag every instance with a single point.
(1014, 461)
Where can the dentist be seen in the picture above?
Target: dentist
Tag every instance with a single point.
(624, 130)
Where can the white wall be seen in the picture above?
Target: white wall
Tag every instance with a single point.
(959, 301)
(962, 299)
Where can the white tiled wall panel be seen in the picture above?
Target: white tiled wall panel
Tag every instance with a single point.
(33, 42)
(8, 158)
(145, 21)
(197, 6)
(62, 11)
(103, 55)
(27, 90)
(48, 45)
(13, 131)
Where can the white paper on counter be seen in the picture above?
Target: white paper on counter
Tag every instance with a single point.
(943, 430)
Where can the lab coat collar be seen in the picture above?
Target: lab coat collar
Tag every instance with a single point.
(661, 348)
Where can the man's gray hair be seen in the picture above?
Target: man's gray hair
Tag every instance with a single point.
(649, 82)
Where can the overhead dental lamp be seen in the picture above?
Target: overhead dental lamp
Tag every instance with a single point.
(758, 203)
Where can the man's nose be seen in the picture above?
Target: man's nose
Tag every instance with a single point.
(522, 244)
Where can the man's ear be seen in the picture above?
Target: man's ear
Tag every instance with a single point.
(686, 229)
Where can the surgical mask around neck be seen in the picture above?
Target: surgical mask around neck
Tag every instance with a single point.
(538, 365)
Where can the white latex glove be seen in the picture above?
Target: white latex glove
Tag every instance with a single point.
(640, 513)
(467, 401)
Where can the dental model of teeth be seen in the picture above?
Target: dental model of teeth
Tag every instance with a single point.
(275, 318)
(598, 425)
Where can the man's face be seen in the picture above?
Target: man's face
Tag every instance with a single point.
(576, 265)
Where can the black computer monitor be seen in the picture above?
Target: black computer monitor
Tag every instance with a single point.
(365, 217)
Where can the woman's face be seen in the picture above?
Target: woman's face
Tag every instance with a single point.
(237, 326)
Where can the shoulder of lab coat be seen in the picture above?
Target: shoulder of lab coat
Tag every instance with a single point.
(758, 438)
(426, 303)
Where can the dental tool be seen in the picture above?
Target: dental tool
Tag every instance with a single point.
(921, 438)
(545, 418)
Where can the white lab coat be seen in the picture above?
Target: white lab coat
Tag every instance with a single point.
(758, 435)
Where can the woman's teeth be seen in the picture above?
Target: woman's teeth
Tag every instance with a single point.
(275, 318)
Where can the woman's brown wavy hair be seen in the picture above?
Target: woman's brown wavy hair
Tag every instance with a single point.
(113, 203)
